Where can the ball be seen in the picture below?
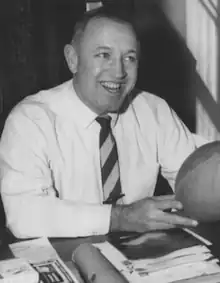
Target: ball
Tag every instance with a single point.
(197, 184)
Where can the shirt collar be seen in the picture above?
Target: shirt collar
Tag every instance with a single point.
(87, 116)
(114, 117)
(82, 114)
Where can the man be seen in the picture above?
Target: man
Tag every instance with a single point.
(51, 150)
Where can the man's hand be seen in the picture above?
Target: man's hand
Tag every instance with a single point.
(149, 214)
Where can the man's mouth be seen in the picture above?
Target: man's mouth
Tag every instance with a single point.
(112, 87)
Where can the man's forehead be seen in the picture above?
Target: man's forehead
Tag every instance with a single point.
(102, 23)
(104, 31)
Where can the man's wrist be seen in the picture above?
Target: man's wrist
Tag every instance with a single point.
(117, 217)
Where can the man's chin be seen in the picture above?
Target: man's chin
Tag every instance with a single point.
(114, 109)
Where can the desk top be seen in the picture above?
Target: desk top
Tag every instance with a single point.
(66, 246)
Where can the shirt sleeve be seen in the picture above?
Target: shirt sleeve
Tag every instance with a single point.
(175, 142)
(31, 203)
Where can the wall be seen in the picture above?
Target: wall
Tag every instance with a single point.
(201, 30)
(166, 65)
(175, 11)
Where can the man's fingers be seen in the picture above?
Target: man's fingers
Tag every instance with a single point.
(164, 197)
(157, 225)
(151, 215)
(174, 219)
(168, 204)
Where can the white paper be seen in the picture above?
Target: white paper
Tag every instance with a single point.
(44, 258)
(17, 271)
(121, 263)
(179, 265)
(34, 250)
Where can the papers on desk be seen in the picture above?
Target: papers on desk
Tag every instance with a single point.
(17, 271)
(44, 259)
(34, 251)
(163, 259)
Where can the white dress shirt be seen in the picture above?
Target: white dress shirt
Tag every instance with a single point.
(50, 167)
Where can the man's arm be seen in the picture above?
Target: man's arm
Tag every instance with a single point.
(175, 142)
(31, 203)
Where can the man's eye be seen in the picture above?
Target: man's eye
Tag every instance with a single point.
(131, 59)
(104, 55)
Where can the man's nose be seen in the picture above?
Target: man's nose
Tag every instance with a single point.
(118, 69)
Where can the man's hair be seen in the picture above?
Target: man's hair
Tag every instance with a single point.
(111, 13)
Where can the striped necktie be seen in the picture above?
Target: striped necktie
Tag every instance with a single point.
(109, 162)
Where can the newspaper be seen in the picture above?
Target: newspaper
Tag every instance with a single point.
(45, 260)
(164, 257)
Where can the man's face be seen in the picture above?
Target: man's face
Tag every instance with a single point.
(106, 65)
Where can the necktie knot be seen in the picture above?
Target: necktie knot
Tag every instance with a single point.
(104, 121)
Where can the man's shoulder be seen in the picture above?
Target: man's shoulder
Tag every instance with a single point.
(143, 99)
(44, 101)
(52, 98)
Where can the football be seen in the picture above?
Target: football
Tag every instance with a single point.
(197, 184)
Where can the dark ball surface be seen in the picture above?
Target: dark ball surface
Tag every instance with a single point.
(197, 185)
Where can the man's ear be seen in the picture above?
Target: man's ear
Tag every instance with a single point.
(71, 58)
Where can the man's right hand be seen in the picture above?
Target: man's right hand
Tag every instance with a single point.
(149, 214)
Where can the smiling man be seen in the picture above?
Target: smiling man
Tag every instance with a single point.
(104, 64)
(83, 158)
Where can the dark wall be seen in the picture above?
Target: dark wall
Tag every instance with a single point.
(32, 35)
(53, 24)
(166, 64)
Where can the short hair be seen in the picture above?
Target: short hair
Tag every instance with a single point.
(117, 15)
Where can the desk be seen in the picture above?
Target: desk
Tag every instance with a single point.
(211, 231)
(66, 246)
(63, 246)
